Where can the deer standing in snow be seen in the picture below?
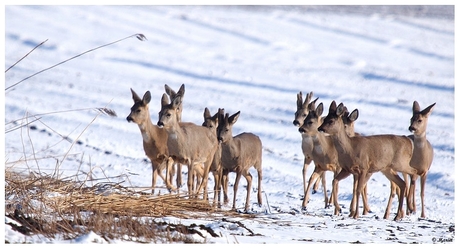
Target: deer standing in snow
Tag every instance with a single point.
(153, 139)
(187, 143)
(364, 155)
(422, 156)
(239, 154)
(198, 170)
(212, 123)
(307, 142)
(324, 153)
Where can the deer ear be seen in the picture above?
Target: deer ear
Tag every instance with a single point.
(428, 110)
(147, 97)
(171, 93)
(206, 113)
(319, 109)
(232, 119)
(176, 101)
(181, 91)
(332, 107)
(354, 115)
(164, 100)
(299, 100)
(340, 110)
(415, 107)
(136, 98)
(308, 99)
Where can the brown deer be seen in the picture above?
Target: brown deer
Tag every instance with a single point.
(153, 139)
(364, 155)
(307, 142)
(423, 152)
(422, 156)
(212, 123)
(187, 143)
(198, 170)
(324, 153)
(239, 154)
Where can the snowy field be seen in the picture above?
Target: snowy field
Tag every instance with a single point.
(249, 59)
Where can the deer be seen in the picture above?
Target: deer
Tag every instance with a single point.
(422, 156)
(307, 143)
(212, 123)
(198, 171)
(239, 154)
(364, 155)
(324, 153)
(153, 139)
(187, 143)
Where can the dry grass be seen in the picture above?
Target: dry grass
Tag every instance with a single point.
(48, 206)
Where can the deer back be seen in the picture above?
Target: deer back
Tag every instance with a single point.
(373, 153)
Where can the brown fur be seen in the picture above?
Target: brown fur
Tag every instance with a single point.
(365, 155)
(239, 154)
(153, 138)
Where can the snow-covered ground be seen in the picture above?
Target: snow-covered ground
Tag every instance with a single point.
(249, 59)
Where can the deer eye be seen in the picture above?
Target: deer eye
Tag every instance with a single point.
(138, 111)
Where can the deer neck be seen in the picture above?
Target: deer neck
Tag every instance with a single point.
(147, 130)
(420, 141)
(342, 142)
(230, 148)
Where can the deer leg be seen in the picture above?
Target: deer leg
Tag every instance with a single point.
(363, 192)
(366, 209)
(170, 171)
(259, 185)
(393, 191)
(179, 175)
(154, 175)
(217, 186)
(225, 185)
(335, 184)
(411, 195)
(235, 189)
(306, 162)
(248, 177)
(422, 194)
(313, 178)
(394, 177)
(353, 198)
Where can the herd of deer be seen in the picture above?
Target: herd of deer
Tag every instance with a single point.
(330, 142)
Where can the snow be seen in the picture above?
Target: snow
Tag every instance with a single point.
(253, 60)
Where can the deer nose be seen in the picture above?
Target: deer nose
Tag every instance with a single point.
(296, 123)
(320, 129)
(129, 119)
(412, 129)
(160, 123)
(220, 139)
(302, 130)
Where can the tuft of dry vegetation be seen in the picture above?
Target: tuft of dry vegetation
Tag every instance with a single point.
(41, 204)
